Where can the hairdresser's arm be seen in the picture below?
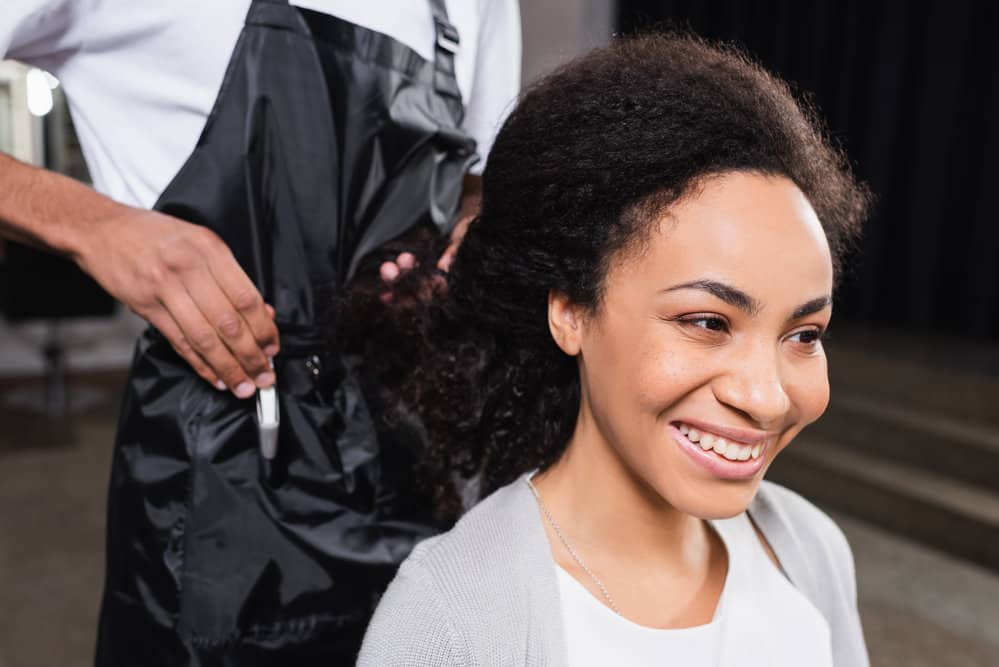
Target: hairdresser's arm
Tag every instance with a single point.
(180, 277)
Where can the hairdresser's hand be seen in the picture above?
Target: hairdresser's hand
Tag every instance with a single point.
(471, 200)
(391, 271)
(184, 281)
(410, 294)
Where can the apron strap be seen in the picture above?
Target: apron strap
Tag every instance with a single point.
(446, 42)
(275, 14)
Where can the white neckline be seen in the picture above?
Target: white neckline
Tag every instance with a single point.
(728, 542)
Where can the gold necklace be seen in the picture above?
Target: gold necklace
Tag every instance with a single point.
(572, 552)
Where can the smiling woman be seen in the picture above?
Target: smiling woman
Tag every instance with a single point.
(692, 335)
(631, 334)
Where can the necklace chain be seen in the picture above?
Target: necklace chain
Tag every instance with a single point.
(572, 552)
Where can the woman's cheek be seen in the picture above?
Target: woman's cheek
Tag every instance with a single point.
(809, 390)
(665, 377)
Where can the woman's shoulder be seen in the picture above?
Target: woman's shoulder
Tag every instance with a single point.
(793, 508)
(468, 592)
(496, 528)
(785, 516)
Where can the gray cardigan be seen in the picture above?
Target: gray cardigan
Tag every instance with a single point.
(485, 592)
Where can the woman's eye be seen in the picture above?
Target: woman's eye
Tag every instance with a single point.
(808, 338)
(708, 323)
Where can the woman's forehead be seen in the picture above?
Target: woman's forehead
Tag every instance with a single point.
(753, 231)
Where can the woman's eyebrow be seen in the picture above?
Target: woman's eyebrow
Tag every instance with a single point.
(733, 296)
(736, 297)
(811, 307)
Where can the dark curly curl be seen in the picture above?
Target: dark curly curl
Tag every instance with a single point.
(591, 155)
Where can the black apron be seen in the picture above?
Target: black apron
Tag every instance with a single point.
(326, 141)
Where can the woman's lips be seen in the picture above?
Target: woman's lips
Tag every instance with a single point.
(726, 458)
(741, 435)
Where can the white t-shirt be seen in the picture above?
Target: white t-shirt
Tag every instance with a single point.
(762, 620)
(141, 76)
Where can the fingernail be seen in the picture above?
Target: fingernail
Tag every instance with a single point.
(272, 350)
(244, 390)
(220, 385)
(389, 272)
(265, 379)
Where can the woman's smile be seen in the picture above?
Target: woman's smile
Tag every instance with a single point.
(724, 457)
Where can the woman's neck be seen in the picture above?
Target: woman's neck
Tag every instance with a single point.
(664, 568)
(602, 504)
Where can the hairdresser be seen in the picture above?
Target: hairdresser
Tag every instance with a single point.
(248, 160)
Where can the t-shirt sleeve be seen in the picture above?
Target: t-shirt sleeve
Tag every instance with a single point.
(496, 81)
(42, 32)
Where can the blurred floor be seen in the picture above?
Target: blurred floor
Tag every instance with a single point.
(53, 485)
(920, 607)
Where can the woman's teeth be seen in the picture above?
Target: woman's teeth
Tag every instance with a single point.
(731, 450)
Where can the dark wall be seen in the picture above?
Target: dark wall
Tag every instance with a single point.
(910, 91)
(38, 285)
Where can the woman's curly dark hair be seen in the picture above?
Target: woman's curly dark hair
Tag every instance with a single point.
(591, 155)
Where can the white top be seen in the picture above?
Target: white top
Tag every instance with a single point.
(486, 592)
(761, 620)
(141, 76)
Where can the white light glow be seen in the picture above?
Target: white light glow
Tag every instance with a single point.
(39, 93)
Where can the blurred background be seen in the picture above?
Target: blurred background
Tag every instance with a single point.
(906, 458)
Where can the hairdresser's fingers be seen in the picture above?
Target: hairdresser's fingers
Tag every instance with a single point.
(204, 339)
(406, 261)
(389, 271)
(242, 307)
(447, 258)
(457, 236)
(166, 325)
(226, 314)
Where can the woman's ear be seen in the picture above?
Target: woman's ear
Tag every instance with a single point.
(565, 322)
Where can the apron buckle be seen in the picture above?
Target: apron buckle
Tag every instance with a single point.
(447, 36)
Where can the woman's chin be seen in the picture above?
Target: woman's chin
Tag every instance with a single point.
(709, 499)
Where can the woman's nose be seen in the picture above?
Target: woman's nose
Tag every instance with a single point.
(754, 386)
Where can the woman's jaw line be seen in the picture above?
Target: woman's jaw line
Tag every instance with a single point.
(606, 493)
